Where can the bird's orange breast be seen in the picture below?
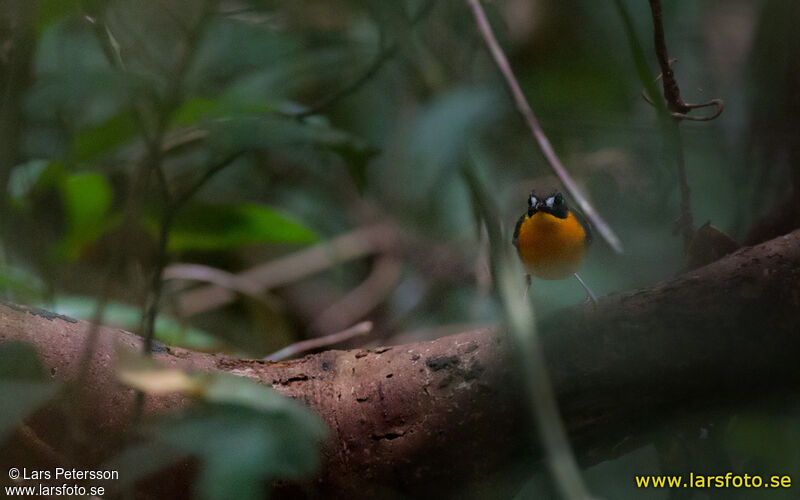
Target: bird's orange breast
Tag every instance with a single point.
(551, 248)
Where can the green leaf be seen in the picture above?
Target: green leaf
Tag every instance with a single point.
(197, 109)
(240, 448)
(229, 389)
(646, 76)
(24, 177)
(281, 82)
(128, 317)
(765, 443)
(104, 137)
(443, 132)
(244, 434)
(356, 156)
(219, 227)
(24, 387)
(87, 199)
(50, 11)
(232, 48)
(74, 85)
(22, 285)
(291, 139)
(262, 133)
(142, 460)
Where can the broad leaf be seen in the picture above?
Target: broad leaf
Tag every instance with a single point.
(87, 199)
(244, 434)
(241, 449)
(195, 110)
(443, 133)
(232, 48)
(220, 227)
(128, 317)
(104, 137)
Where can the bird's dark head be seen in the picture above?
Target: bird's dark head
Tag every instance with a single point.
(554, 204)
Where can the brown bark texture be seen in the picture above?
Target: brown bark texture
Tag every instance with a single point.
(420, 419)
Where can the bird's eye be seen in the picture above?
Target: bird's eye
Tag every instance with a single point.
(559, 199)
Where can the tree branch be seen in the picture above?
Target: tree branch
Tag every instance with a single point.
(671, 90)
(418, 418)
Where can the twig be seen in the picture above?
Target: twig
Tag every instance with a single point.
(383, 56)
(156, 285)
(179, 199)
(152, 163)
(284, 270)
(362, 328)
(359, 301)
(176, 140)
(237, 283)
(172, 98)
(672, 92)
(719, 104)
(679, 111)
(133, 205)
(544, 143)
(171, 101)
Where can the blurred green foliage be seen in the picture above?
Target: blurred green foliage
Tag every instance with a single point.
(87, 198)
(220, 227)
(243, 434)
(168, 330)
(24, 385)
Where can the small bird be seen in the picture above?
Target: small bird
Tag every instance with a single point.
(551, 240)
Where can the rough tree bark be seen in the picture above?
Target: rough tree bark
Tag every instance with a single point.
(419, 418)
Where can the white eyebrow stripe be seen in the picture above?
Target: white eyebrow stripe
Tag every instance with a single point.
(550, 201)
(533, 200)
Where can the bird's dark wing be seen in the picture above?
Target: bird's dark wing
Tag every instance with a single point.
(515, 241)
(584, 222)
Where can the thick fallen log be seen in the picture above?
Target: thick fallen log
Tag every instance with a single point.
(417, 419)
